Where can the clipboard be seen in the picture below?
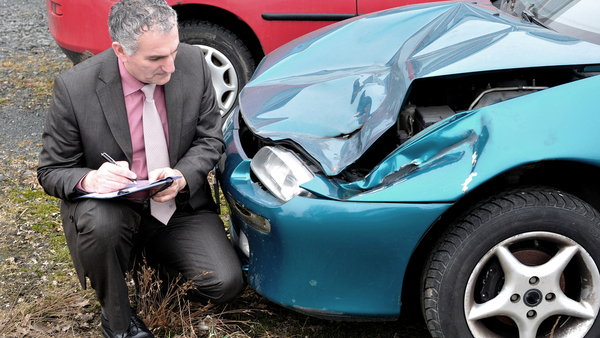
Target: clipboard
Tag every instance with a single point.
(131, 188)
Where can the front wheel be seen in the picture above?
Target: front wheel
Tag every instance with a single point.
(230, 62)
(523, 264)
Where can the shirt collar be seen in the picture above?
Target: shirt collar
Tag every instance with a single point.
(130, 83)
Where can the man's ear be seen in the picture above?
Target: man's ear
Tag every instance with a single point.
(120, 52)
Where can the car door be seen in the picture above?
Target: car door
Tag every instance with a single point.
(287, 20)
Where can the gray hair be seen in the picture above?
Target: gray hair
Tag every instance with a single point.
(129, 19)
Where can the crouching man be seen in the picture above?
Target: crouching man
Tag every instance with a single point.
(148, 102)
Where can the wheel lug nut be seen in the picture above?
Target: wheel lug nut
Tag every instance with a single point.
(531, 314)
(515, 298)
(550, 297)
(534, 280)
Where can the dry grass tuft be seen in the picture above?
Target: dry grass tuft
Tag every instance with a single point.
(168, 311)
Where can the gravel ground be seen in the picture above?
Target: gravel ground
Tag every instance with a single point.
(25, 37)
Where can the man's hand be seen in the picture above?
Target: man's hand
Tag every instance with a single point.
(171, 191)
(108, 178)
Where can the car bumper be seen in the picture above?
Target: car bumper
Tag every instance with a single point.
(327, 258)
(80, 28)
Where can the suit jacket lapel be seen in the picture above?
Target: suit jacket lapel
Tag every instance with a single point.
(174, 104)
(110, 93)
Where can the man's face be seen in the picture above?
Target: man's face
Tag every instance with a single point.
(154, 60)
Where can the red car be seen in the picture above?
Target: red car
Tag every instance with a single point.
(234, 35)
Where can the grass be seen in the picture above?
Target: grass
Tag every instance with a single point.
(32, 73)
(58, 312)
(171, 314)
(33, 203)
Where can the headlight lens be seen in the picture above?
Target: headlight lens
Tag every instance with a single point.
(280, 171)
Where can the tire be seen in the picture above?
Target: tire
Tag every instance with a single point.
(487, 276)
(229, 60)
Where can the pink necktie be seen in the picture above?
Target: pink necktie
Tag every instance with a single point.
(157, 153)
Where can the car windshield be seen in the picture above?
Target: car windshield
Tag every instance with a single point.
(575, 18)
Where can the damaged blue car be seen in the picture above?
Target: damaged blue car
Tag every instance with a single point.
(444, 156)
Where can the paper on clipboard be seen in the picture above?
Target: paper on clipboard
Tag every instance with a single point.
(131, 188)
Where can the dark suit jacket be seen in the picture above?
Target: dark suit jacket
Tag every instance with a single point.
(87, 116)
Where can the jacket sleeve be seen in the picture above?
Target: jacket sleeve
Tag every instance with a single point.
(60, 164)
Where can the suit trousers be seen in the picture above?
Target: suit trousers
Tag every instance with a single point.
(106, 236)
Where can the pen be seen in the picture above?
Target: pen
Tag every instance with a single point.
(110, 159)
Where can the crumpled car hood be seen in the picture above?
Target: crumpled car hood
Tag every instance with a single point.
(336, 90)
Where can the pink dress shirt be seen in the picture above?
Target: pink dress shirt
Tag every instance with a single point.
(134, 102)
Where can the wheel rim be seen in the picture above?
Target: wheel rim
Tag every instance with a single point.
(224, 77)
(553, 295)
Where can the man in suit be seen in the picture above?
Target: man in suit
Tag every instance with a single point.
(100, 106)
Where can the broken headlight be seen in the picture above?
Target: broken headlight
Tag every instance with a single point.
(280, 171)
